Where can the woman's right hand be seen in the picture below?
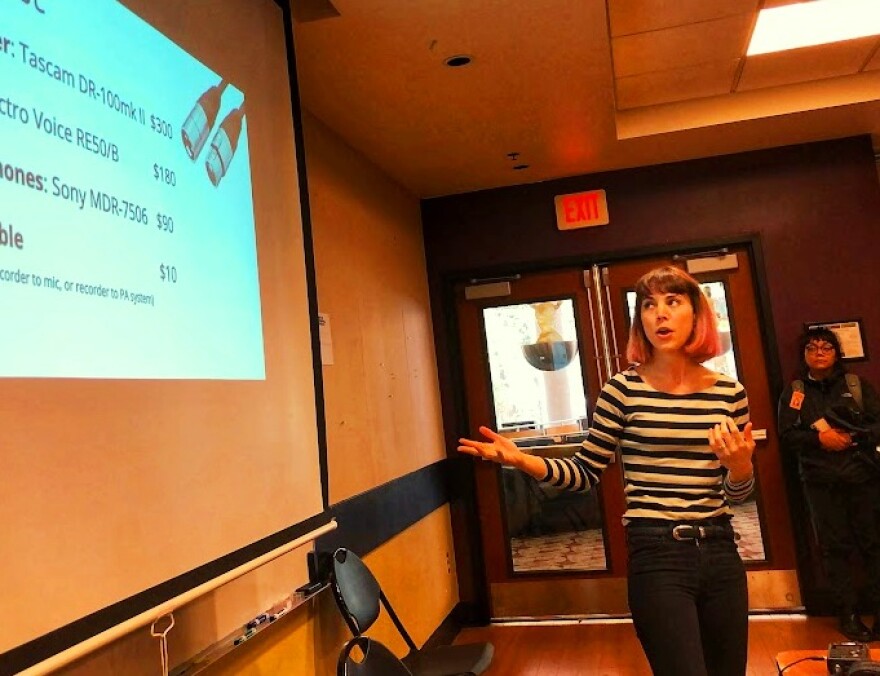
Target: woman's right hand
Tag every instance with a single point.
(499, 449)
(834, 440)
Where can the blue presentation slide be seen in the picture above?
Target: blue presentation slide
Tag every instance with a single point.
(127, 239)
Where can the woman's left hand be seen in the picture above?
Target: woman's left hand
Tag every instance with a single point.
(733, 448)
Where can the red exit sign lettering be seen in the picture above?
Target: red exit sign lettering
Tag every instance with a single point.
(581, 210)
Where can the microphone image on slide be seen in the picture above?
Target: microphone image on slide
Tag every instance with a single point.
(201, 119)
(223, 145)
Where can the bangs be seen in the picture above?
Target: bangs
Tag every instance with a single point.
(704, 342)
(663, 280)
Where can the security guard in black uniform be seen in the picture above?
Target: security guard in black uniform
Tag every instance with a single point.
(834, 434)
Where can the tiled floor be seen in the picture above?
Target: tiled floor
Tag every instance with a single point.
(585, 550)
(574, 550)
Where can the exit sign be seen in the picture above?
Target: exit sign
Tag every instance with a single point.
(581, 210)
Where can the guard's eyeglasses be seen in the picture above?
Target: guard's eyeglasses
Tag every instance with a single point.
(822, 349)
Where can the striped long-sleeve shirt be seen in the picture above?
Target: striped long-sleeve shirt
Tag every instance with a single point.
(669, 469)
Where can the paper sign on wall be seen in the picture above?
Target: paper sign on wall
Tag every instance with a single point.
(325, 338)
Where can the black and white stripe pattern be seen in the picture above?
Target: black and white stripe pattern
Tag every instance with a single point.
(670, 470)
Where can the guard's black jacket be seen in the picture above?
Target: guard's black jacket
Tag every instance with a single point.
(816, 464)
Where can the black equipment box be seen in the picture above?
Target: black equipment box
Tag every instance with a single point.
(842, 656)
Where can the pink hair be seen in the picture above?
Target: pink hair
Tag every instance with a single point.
(704, 342)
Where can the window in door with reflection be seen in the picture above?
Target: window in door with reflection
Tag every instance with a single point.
(539, 401)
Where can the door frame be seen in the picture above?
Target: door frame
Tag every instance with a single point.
(474, 591)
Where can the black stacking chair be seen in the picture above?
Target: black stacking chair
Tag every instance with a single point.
(358, 595)
(376, 660)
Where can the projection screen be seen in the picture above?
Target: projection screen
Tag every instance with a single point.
(158, 370)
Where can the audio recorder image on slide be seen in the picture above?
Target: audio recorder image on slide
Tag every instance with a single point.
(127, 235)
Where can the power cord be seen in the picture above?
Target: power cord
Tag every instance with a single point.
(809, 658)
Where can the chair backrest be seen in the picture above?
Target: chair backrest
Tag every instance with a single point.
(376, 660)
(356, 591)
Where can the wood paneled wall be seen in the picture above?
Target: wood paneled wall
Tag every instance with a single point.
(412, 569)
(381, 399)
(307, 642)
(381, 393)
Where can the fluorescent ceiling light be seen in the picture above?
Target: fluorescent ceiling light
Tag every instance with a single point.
(817, 22)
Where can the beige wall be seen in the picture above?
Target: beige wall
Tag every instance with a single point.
(413, 572)
(383, 416)
(381, 394)
(381, 400)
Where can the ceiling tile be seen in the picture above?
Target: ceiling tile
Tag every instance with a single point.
(651, 89)
(805, 64)
(718, 40)
(639, 16)
(541, 85)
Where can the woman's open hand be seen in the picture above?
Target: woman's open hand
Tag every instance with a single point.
(733, 448)
(499, 449)
(834, 440)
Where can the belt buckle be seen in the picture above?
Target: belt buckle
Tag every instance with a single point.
(679, 530)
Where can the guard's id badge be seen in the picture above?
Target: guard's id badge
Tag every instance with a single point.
(797, 400)
(821, 425)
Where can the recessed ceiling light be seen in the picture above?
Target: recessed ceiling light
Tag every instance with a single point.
(817, 22)
(520, 167)
(458, 61)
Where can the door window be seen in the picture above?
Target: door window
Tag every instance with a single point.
(538, 394)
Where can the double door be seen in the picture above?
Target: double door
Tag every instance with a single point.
(536, 350)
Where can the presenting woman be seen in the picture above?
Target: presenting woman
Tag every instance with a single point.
(686, 444)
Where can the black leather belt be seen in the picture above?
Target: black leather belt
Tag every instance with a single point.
(686, 531)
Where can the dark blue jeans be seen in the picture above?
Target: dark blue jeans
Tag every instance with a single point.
(689, 604)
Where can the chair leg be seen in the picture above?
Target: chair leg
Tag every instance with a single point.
(397, 622)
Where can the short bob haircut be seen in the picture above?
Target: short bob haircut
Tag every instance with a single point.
(704, 342)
